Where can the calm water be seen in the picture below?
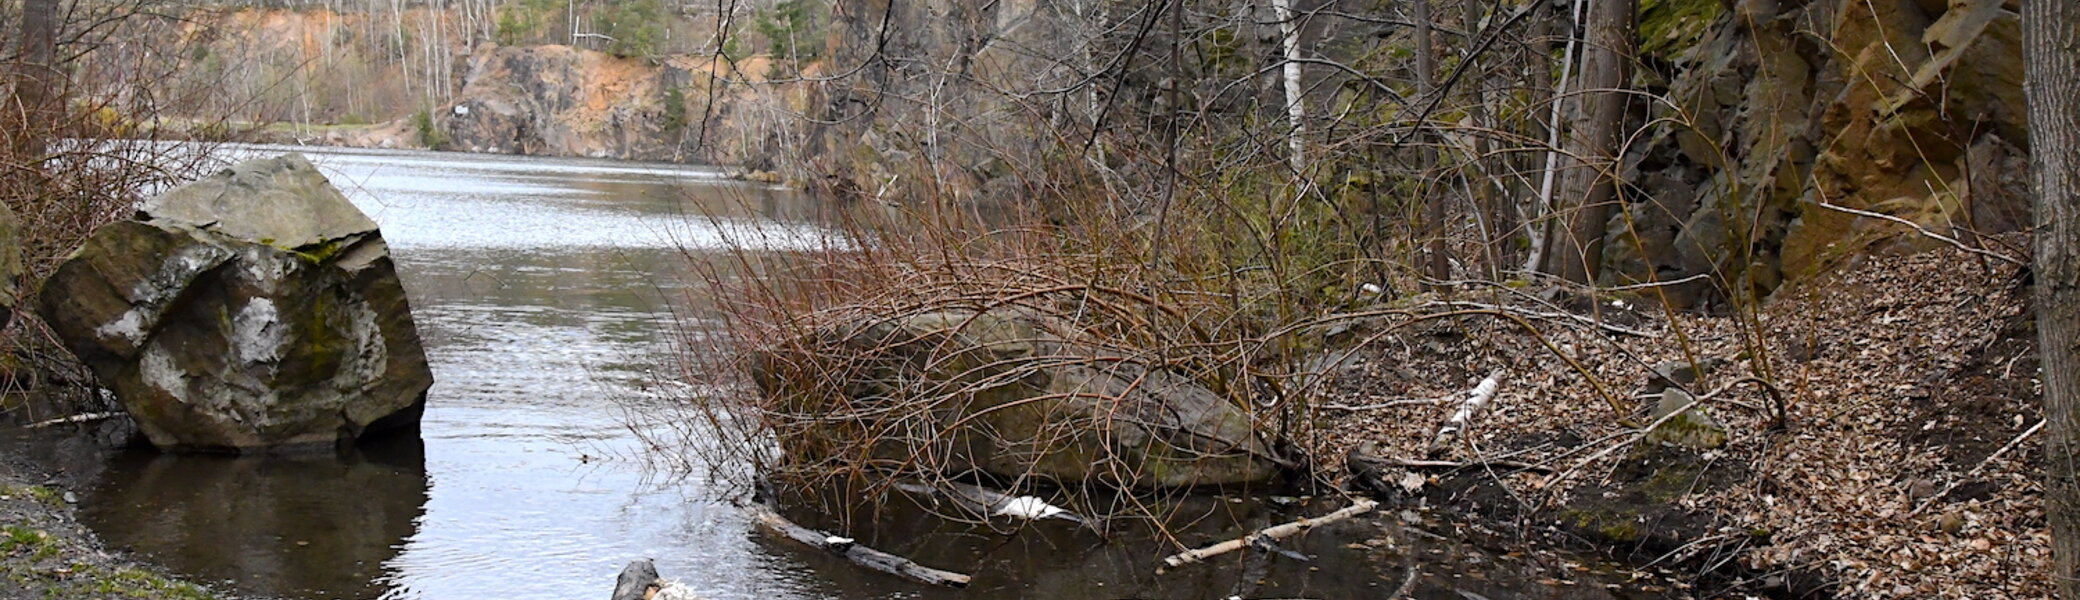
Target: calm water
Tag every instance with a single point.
(540, 288)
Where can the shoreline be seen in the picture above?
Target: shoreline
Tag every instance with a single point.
(45, 552)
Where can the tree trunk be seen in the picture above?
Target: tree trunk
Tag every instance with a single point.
(2051, 47)
(36, 81)
(1606, 71)
(1296, 112)
(1545, 232)
(1437, 265)
(1484, 190)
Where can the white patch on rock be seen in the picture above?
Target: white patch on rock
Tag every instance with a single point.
(151, 294)
(130, 327)
(256, 333)
(158, 371)
(265, 268)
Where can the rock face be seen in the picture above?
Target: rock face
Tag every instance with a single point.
(1910, 108)
(256, 308)
(995, 392)
(563, 101)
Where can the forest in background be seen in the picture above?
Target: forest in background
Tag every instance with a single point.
(1234, 173)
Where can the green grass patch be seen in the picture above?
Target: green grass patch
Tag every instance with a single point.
(138, 583)
(17, 539)
(38, 493)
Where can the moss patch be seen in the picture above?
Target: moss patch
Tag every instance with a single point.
(35, 492)
(1667, 28)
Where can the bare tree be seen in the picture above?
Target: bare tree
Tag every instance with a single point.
(2051, 42)
(35, 86)
(1544, 230)
(1436, 264)
(1480, 188)
(1289, 41)
(1606, 71)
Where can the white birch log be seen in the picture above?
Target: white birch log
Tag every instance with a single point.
(1275, 532)
(1475, 401)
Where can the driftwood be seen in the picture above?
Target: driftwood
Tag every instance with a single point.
(858, 554)
(1475, 400)
(79, 418)
(1268, 534)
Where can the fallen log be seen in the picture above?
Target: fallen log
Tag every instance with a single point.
(1268, 534)
(79, 418)
(858, 554)
(1475, 400)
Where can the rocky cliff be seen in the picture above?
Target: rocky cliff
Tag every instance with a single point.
(562, 101)
(1766, 123)
(1785, 109)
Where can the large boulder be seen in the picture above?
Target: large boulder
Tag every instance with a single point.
(256, 308)
(999, 392)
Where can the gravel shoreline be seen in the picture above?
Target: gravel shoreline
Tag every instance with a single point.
(46, 553)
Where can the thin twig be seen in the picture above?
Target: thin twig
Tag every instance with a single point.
(1924, 231)
(79, 418)
(1411, 463)
(1562, 316)
(1931, 499)
(1387, 404)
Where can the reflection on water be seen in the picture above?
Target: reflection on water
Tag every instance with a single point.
(313, 527)
(539, 286)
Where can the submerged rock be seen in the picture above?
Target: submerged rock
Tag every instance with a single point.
(995, 392)
(254, 308)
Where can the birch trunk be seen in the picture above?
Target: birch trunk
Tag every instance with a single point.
(1296, 113)
(1547, 233)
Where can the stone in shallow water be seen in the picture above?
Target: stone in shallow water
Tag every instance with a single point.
(256, 308)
